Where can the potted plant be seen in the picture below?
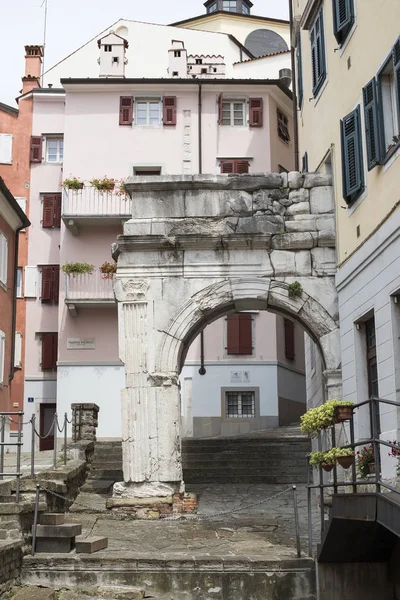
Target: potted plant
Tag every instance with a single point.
(322, 417)
(343, 411)
(344, 456)
(75, 268)
(366, 461)
(323, 459)
(73, 183)
(121, 189)
(103, 185)
(108, 270)
(395, 452)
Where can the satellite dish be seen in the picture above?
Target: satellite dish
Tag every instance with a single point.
(265, 41)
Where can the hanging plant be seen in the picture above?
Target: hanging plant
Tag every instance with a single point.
(328, 459)
(103, 185)
(75, 269)
(322, 417)
(108, 270)
(73, 184)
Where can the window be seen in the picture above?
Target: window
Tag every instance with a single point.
(389, 93)
(212, 8)
(19, 283)
(54, 150)
(256, 112)
(6, 148)
(300, 91)
(107, 48)
(239, 334)
(372, 367)
(233, 113)
(18, 350)
(175, 73)
(229, 5)
(177, 53)
(3, 259)
(318, 53)
(352, 156)
(283, 126)
(144, 171)
(343, 19)
(289, 339)
(245, 9)
(199, 61)
(50, 284)
(148, 112)
(49, 351)
(51, 211)
(2, 355)
(115, 60)
(204, 71)
(234, 166)
(240, 405)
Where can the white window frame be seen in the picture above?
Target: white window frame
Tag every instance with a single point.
(3, 259)
(239, 394)
(2, 356)
(6, 144)
(232, 103)
(59, 158)
(20, 292)
(391, 118)
(148, 101)
(18, 350)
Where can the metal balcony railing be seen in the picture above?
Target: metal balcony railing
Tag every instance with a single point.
(89, 287)
(89, 202)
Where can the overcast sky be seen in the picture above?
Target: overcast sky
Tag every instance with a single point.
(71, 23)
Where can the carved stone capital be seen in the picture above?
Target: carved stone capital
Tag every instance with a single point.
(131, 290)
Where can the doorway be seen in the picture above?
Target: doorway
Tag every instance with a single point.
(47, 412)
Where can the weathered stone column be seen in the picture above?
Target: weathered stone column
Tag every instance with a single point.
(333, 384)
(151, 447)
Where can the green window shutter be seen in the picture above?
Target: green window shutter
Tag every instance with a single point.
(352, 159)
(396, 67)
(372, 129)
(304, 163)
(343, 18)
(300, 91)
(318, 58)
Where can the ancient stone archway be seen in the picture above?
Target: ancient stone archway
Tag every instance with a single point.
(199, 247)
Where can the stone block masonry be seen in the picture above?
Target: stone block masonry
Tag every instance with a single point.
(10, 565)
(197, 248)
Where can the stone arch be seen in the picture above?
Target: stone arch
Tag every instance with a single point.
(261, 293)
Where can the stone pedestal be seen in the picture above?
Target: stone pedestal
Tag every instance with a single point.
(84, 422)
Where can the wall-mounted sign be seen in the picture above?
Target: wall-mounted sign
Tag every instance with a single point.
(31, 399)
(236, 376)
(246, 376)
(81, 343)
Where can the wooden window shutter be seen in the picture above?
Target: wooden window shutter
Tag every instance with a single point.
(343, 18)
(304, 163)
(256, 112)
(289, 339)
(48, 356)
(57, 210)
(47, 284)
(169, 110)
(36, 148)
(239, 334)
(125, 110)
(241, 166)
(300, 90)
(396, 67)
(55, 349)
(372, 124)
(220, 101)
(318, 53)
(56, 283)
(227, 166)
(352, 161)
(48, 211)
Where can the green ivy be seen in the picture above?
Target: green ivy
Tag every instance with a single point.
(295, 289)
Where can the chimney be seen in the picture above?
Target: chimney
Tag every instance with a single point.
(285, 76)
(33, 67)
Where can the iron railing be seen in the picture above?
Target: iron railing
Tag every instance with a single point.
(355, 482)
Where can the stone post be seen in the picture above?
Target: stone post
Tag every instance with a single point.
(333, 384)
(151, 447)
(84, 422)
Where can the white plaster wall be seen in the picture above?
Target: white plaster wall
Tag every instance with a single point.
(291, 384)
(314, 378)
(268, 65)
(42, 391)
(99, 384)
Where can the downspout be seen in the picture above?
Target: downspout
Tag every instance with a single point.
(202, 370)
(294, 92)
(14, 311)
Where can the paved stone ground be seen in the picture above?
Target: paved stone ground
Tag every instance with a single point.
(266, 529)
(43, 460)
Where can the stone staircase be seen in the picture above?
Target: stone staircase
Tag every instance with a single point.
(105, 469)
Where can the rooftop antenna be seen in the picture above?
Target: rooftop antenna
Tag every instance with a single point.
(44, 3)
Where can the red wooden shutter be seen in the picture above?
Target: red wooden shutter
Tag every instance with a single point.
(36, 149)
(47, 284)
(220, 101)
(169, 110)
(256, 112)
(55, 350)
(239, 334)
(56, 283)
(47, 351)
(289, 339)
(125, 110)
(241, 166)
(57, 210)
(227, 166)
(233, 339)
(48, 211)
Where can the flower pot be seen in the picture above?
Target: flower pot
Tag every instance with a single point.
(371, 468)
(345, 461)
(343, 413)
(327, 467)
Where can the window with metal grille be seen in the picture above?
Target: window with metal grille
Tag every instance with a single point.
(283, 126)
(233, 113)
(240, 405)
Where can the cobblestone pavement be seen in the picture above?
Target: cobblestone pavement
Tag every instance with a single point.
(265, 530)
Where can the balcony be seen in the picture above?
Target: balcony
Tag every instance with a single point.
(91, 207)
(88, 291)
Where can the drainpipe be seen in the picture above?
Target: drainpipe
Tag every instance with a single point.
(14, 311)
(294, 92)
(202, 370)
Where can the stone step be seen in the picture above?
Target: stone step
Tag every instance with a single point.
(101, 486)
(59, 531)
(191, 478)
(90, 545)
(52, 519)
(115, 474)
(10, 534)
